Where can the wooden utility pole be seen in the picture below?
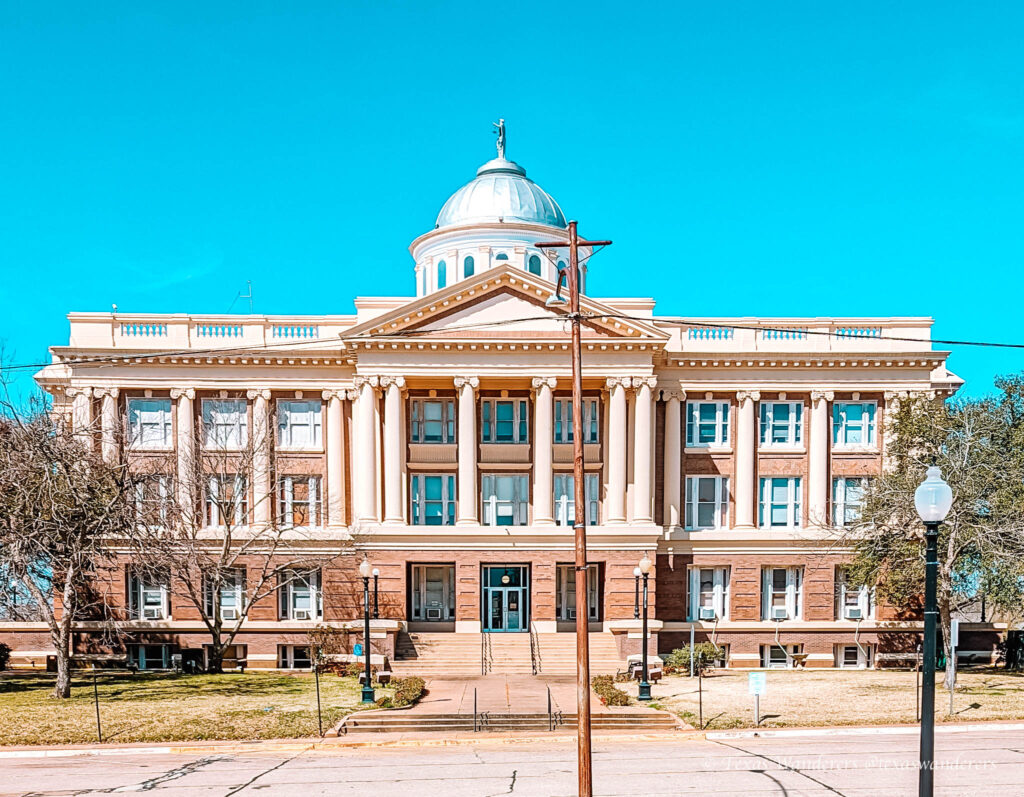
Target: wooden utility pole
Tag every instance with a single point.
(586, 786)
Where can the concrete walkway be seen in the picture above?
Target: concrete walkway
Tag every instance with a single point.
(505, 694)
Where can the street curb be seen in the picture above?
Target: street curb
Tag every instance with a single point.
(860, 730)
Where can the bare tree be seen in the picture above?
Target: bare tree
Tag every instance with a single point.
(210, 528)
(981, 543)
(60, 504)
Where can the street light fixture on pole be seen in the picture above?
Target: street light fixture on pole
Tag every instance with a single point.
(644, 692)
(585, 787)
(933, 500)
(366, 570)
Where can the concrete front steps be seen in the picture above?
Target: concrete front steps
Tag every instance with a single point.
(459, 655)
(644, 721)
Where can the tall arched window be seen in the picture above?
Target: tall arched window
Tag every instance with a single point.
(468, 266)
(533, 265)
(442, 274)
(501, 256)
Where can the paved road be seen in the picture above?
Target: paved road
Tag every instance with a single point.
(989, 762)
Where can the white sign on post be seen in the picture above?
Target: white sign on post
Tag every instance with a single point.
(757, 685)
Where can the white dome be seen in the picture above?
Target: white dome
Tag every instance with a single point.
(501, 192)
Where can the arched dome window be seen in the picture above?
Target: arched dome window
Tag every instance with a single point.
(501, 256)
(533, 265)
(442, 274)
(468, 266)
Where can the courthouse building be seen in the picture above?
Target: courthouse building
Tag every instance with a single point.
(433, 434)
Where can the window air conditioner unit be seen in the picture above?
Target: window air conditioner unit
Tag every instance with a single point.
(779, 613)
(301, 614)
(229, 614)
(152, 613)
(570, 614)
(706, 613)
(853, 613)
(433, 614)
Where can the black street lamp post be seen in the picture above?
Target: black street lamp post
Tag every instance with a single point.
(933, 500)
(366, 571)
(376, 607)
(644, 692)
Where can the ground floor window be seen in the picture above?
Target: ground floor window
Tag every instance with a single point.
(233, 656)
(780, 593)
(294, 657)
(149, 657)
(709, 593)
(565, 593)
(778, 657)
(299, 596)
(433, 593)
(853, 657)
(722, 659)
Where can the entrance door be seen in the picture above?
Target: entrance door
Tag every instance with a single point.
(506, 598)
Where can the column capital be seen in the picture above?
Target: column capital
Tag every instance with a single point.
(894, 395)
(462, 381)
(339, 393)
(743, 395)
(103, 392)
(183, 392)
(544, 381)
(640, 381)
(360, 380)
(669, 393)
(351, 393)
(617, 381)
(822, 395)
(255, 394)
(71, 392)
(397, 381)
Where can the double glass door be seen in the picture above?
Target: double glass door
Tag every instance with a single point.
(506, 598)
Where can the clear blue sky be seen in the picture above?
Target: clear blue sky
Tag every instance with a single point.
(747, 158)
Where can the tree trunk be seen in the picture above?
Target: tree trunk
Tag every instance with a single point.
(945, 617)
(215, 656)
(62, 644)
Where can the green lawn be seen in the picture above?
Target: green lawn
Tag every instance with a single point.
(151, 707)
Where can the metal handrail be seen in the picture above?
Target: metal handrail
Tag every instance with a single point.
(474, 710)
(551, 719)
(535, 665)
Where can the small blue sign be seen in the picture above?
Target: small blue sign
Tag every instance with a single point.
(757, 683)
(357, 649)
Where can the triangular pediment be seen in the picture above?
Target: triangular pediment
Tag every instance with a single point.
(500, 303)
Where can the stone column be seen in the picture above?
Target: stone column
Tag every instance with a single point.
(543, 437)
(262, 494)
(364, 469)
(394, 418)
(818, 445)
(673, 461)
(466, 503)
(617, 446)
(81, 408)
(643, 423)
(108, 423)
(335, 448)
(746, 457)
(186, 444)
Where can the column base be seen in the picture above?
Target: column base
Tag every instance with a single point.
(472, 521)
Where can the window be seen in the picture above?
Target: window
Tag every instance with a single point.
(442, 274)
(294, 657)
(501, 256)
(853, 423)
(299, 501)
(505, 421)
(149, 657)
(225, 423)
(780, 502)
(853, 657)
(709, 593)
(227, 501)
(780, 593)
(153, 496)
(707, 423)
(232, 656)
(779, 657)
(149, 423)
(299, 595)
(853, 601)
(224, 593)
(565, 499)
(468, 267)
(433, 499)
(781, 423)
(565, 593)
(847, 500)
(433, 593)
(563, 420)
(298, 425)
(707, 502)
(533, 265)
(147, 595)
(506, 500)
(433, 421)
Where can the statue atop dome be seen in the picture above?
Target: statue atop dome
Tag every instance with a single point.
(500, 130)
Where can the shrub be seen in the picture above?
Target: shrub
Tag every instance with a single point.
(407, 691)
(704, 656)
(327, 641)
(5, 655)
(610, 695)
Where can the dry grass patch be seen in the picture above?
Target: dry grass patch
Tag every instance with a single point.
(839, 697)
(151, 707)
